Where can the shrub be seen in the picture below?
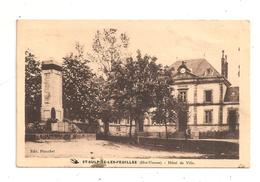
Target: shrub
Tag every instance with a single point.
(36, 127)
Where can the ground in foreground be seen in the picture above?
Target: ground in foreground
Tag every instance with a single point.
(99, 149)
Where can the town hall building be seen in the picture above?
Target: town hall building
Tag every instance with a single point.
(213, 103)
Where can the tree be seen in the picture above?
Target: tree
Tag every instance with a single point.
(166, 105)
(80, 89)
(109, 47)
(119, 92)
(134, 84)
(106, 109)
(32, 87)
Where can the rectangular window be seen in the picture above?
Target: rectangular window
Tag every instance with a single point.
(208, 116)
(183, 95)
(208, 95)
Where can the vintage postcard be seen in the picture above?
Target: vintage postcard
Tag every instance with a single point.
(130, 93)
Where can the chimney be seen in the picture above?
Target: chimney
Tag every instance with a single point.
(224, 65)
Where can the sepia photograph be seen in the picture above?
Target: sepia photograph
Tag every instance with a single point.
(133, 93)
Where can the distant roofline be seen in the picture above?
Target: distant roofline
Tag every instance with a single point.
(194, 59)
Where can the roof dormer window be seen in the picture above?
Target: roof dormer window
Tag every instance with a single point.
(209, 72)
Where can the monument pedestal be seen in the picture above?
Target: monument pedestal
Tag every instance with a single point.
(46, 113)
(60, 127)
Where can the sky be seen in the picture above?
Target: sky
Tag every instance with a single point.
(169, 41)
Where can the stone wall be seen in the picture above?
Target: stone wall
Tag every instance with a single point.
(159, 130)
(120, 130)
(59, 136)
(123, 130)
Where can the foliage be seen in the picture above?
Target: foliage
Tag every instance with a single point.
(32, 87)
(106, 110)
(109, 46)
(80, 90)
(168, 109)
(166, 105)
(134, 84)
(37, 127)
(141, 84)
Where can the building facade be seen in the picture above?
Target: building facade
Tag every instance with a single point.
(213, 102)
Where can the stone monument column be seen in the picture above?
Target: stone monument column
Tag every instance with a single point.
(51, 106)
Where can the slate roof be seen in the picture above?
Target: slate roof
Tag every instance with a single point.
(198, 67)
(232, 94)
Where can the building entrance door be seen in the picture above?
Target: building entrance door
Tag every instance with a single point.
(232, 120)
(182, 121)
